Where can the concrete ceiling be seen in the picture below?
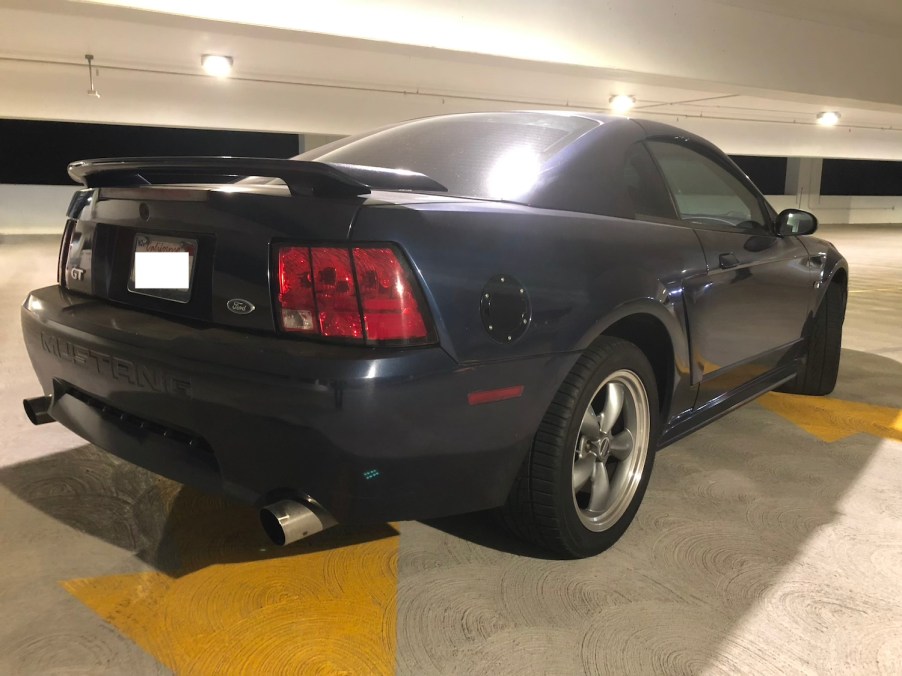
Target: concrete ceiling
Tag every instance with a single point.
(749, 74)
(880, 17)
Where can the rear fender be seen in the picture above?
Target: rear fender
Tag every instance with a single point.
(668, 310)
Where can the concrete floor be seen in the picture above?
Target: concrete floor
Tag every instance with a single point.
(768, 543)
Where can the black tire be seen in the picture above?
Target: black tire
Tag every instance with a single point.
(820, 366)
(544, 505)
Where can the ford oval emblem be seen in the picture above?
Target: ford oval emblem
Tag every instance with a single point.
(240, 306)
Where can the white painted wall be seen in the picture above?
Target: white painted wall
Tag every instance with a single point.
(836, 209)
(746, 137)
(34, 209)
(803, 181)
(856, 209)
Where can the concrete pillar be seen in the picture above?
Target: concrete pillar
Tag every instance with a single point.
(793, 177)
(803, 180)
(815, 169)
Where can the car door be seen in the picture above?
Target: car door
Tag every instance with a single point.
(747, 313)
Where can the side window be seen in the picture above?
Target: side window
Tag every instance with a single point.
(643, 185)
(704, 192)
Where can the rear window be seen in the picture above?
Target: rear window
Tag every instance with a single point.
(485, 155)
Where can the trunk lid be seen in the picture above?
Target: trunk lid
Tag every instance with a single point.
(228, 232)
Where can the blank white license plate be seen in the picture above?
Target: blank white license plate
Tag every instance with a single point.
(163, 267)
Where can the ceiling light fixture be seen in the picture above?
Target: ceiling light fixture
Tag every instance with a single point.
(92, 91)
(622, 103)
(216, 65)
(828, 118)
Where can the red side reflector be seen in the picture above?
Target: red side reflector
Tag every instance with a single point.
(488, 396)
(390, 309)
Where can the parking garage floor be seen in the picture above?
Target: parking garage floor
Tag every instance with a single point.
(768, 543)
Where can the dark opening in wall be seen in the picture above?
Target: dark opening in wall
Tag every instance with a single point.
(861, 177)
(38, 152)
(768, 173)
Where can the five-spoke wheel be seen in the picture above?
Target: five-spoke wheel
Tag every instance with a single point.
(589, 465)
(610, 450)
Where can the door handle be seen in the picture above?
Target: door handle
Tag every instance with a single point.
(728, 260)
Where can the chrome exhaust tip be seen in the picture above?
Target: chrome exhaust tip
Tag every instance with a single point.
(38, 410)
(288, 521)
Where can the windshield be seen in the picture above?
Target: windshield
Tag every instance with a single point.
(496, 156)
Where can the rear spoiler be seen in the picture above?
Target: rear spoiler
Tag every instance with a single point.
(302, 177)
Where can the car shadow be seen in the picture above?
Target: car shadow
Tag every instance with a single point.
(859, 373)
(728, 513)
(173, 528)
(487, 530)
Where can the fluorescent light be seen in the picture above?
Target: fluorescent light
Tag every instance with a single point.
(622, 103)
(215, 65)
(828, 118)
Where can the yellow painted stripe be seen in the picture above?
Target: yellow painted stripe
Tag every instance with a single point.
(324, 607)
(833, 419)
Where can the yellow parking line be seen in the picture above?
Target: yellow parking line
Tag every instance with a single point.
(833, 419)
(325, 611)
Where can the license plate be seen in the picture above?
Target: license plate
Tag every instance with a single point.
(163, 267)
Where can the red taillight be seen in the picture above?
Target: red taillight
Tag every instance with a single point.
(390, 308)
(336, 293)
(297, 309)
(371, 298)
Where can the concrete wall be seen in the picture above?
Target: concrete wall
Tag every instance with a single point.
(842, 209)
(34, 209)
(803, 180)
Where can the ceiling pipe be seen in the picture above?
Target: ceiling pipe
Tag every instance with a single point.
(92, 91)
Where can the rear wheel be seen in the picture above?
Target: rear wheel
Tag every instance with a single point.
(587, 471)
(817, 375)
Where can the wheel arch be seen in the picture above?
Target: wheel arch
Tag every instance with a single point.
(656, 331)
(840, 277)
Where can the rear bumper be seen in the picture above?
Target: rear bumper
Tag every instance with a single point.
(371, 434)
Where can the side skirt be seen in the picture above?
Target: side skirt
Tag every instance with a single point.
(728, 402)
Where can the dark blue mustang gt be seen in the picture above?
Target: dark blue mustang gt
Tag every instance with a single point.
(491, 310)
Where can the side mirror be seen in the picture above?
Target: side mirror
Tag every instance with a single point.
(795, 222)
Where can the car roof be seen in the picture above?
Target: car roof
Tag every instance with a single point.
(611, 124)
(597, 116)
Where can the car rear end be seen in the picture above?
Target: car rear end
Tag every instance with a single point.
(298, 363)
(344, 330)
